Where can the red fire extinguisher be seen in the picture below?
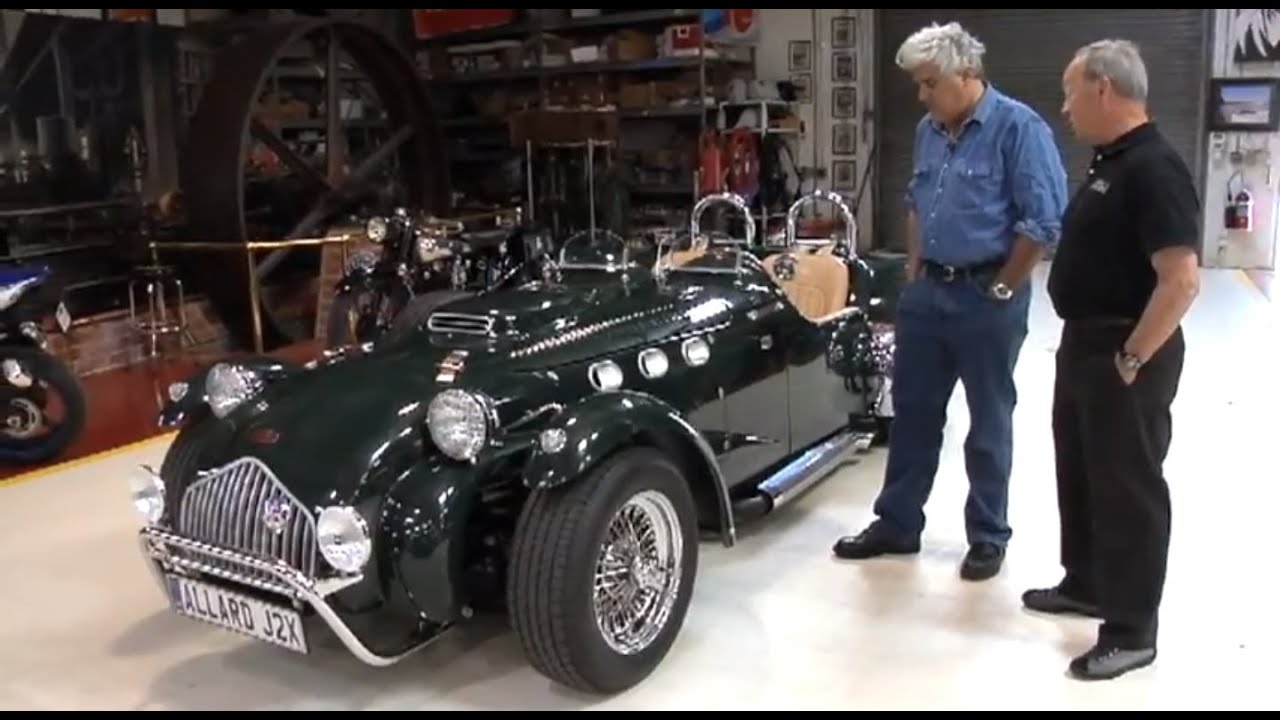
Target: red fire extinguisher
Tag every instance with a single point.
(711, 164)
(1239, 211)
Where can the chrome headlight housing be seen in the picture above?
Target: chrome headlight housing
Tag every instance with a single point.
(343, 538)
(227, 385)
(459, 423)
(376, 228)
(146, 491)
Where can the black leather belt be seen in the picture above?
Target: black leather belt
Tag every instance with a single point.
(948, 273)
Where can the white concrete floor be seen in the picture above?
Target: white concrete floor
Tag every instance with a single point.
(776, 623)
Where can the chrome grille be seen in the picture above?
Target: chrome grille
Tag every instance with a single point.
(242, 506)
(460, 323)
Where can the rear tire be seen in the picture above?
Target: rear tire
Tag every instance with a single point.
(565, 536)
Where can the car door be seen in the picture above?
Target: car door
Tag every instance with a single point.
(819, 400)
(755, 394)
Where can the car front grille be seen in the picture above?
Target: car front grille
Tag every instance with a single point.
(242, 506)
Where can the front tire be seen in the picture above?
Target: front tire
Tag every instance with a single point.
(603, 571)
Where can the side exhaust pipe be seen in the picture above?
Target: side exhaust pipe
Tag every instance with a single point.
(794, 479)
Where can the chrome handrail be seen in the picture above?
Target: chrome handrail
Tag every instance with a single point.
(850, 225)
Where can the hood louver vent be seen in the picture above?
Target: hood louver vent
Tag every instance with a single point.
(446, 322)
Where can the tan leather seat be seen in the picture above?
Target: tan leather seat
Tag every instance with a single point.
(819, 285)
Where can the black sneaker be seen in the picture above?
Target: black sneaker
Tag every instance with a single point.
(1105, 662)
(982, 561)
(1057, 602)
(874, 541)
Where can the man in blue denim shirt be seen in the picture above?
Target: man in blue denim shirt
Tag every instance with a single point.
(985, 199)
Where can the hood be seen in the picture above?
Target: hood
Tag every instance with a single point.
(351, 428)
(328, 431)
(544, 326)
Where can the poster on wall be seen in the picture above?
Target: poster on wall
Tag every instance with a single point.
(1256, 36)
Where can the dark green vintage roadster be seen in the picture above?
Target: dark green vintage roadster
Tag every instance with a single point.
(554, 451)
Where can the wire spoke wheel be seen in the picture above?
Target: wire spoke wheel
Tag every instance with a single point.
(637, 572)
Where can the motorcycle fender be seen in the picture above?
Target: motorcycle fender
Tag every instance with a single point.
(187, 396)
(598, 426)
(356, 279)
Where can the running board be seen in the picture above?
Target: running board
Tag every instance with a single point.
(795, 478)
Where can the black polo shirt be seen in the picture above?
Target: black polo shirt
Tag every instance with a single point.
(1138, 198)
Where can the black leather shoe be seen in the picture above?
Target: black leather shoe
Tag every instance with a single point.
(874, 542)
(982, 561)
(1053, 600)
(1104, 662)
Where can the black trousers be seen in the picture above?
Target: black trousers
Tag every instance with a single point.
(1111, 440)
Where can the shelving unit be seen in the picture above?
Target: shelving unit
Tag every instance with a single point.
(665, 87)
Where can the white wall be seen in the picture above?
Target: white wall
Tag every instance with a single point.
(778, 27)
(1235, 248)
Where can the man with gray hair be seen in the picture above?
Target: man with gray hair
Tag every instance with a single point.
(1124, 276)
(985, 199)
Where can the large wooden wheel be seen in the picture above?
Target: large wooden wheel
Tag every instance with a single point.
(249, 175)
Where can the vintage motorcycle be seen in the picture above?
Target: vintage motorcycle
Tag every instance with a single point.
(420, 262)
(31, 375)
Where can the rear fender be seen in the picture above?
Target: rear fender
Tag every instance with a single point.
(602, 424)
(186, 397)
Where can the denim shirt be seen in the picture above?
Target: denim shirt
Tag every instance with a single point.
(1003, 177)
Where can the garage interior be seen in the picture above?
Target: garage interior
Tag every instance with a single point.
(197, 183)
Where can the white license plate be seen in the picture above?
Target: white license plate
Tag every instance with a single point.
(275, 624)
(62, 316)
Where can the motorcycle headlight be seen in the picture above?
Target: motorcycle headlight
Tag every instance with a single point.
(146, 491)
(459, 423)
(343, 538)
(376, 229)
(228, 385)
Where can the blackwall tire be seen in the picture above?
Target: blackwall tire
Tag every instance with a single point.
(561, 539)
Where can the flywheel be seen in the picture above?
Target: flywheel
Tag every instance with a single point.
(302, 125)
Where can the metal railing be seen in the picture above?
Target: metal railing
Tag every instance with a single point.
(251, 250)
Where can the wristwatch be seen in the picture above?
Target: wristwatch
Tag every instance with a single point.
(1129, 361)
(1000, 291)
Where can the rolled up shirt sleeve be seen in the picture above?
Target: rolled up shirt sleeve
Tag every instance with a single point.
(1039, 182)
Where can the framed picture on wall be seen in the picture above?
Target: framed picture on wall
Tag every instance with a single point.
(844, 174)
(844, 66)
(844, 138)
(803, 83)
(800, 56)
(844, 102)
(844, 31)
(1244, 104)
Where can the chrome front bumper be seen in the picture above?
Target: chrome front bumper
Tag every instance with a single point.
(159, 545)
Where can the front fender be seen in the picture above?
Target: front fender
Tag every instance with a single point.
(424, 521)
(187, 396)
(601, 424)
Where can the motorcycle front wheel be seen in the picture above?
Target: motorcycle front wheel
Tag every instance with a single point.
(28, 376)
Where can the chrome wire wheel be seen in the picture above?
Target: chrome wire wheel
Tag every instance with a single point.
(637, 575)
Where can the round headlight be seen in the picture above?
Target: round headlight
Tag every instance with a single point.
(226, 386)
(343, 538)
(376, 229)
(146, 490)
(459, 424)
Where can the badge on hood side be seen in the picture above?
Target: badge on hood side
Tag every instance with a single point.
(451, 366)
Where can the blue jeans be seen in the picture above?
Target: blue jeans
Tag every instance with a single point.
(948, 331)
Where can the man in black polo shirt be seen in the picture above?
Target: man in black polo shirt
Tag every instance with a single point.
(1125, 274)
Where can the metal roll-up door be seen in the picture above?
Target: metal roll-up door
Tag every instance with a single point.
(1027, 50)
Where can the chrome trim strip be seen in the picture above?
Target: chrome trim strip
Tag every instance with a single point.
(156, 545)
